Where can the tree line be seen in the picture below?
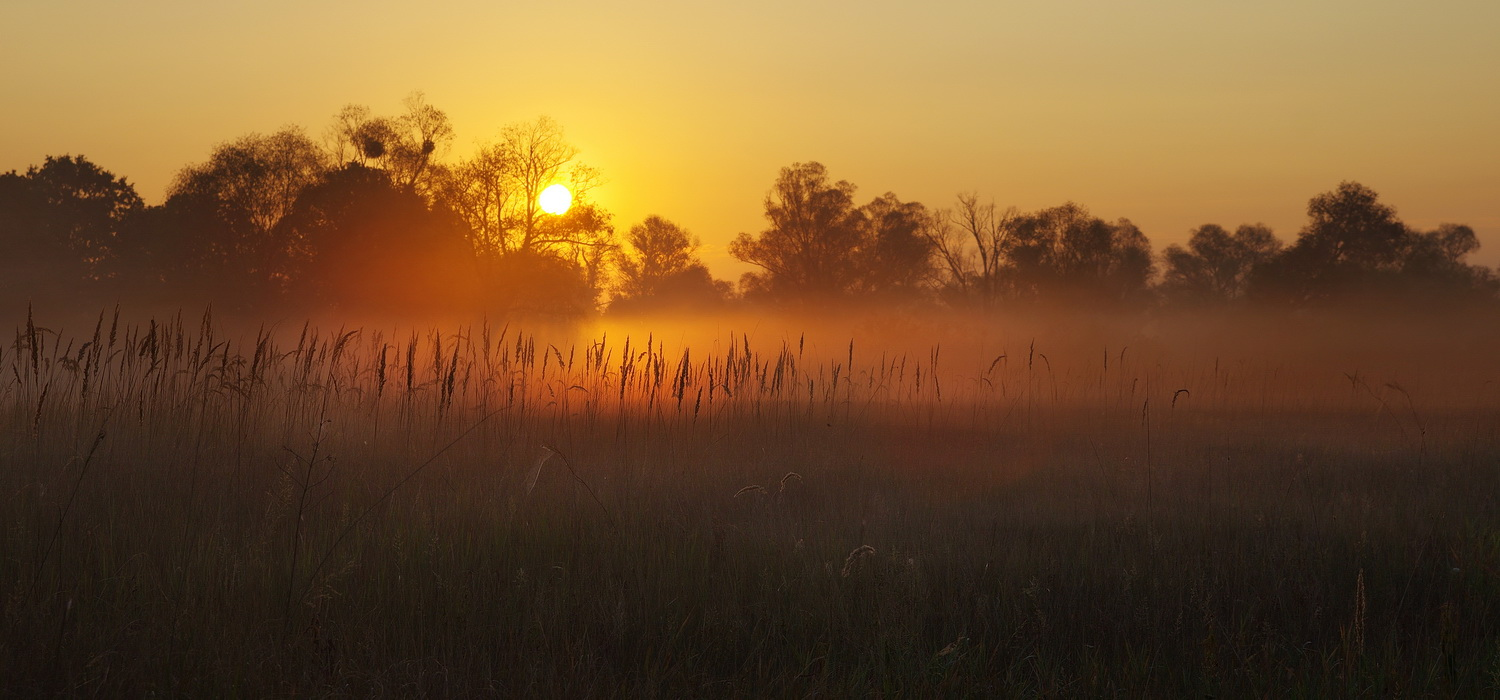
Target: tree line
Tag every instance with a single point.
(377, 217)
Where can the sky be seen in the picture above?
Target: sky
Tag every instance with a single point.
(1172, 113)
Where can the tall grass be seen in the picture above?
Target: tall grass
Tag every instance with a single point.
(484, 510)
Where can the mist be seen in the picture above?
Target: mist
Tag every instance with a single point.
(355, 419)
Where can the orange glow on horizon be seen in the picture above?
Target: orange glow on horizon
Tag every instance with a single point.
(1171, 113)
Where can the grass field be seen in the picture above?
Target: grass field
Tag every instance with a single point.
(482, 510)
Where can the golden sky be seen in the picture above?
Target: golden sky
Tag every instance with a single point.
(1172, 113)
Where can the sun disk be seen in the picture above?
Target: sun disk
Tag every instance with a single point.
(555, 200)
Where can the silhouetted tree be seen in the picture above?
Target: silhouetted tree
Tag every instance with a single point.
(483, 193)
(406, 147)
(583, 237)
(1433, 266)
(495, 193)
(969, 245)
(1355, 247)
(218, 233)
(897, 250)
(358, 136)
(1065, 254)
(1216, 265)
(60, 224)
(810, 249)
(371, 244)
(820, 246)
(660, 269)
(1351, 245)
(164, 254)
(1349, 227)
(535, 284)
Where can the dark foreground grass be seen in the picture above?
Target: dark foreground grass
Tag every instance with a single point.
(295, 534)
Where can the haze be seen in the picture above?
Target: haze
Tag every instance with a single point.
(1171, 113)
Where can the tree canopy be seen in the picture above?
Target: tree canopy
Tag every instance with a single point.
(819, 246)
(1355, 247)
(1064, 253)
(495, 194)
(1216, 265)
(660, 270)
(219, 228)
(378, 217)
(373, 244)
(811, 246)
(61, 221)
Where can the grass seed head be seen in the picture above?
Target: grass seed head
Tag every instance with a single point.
(789, 476)
(854, 558)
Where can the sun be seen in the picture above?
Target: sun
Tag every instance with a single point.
(555, 200)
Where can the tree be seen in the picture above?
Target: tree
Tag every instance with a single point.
(220, 225)
(481, 192)
(898, 247)
(811, 247)
(406, 147)
(533, 284)
(661, 269)
(969, 245)
(61, 222)
(1433, 265)
(582, 237)
(255, 178)
(495, 194)
(1216, 265)
(372, 244)
(1349, 227)
(1066, 254)
(1352, 246)
(540, 156)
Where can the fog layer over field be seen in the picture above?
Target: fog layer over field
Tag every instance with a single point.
(748, 506)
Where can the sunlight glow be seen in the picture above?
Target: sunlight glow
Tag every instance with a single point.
(555, 200)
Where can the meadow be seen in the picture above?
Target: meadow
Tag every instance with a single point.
(889, 509)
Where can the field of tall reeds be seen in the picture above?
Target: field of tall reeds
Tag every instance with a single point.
(480, 509)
